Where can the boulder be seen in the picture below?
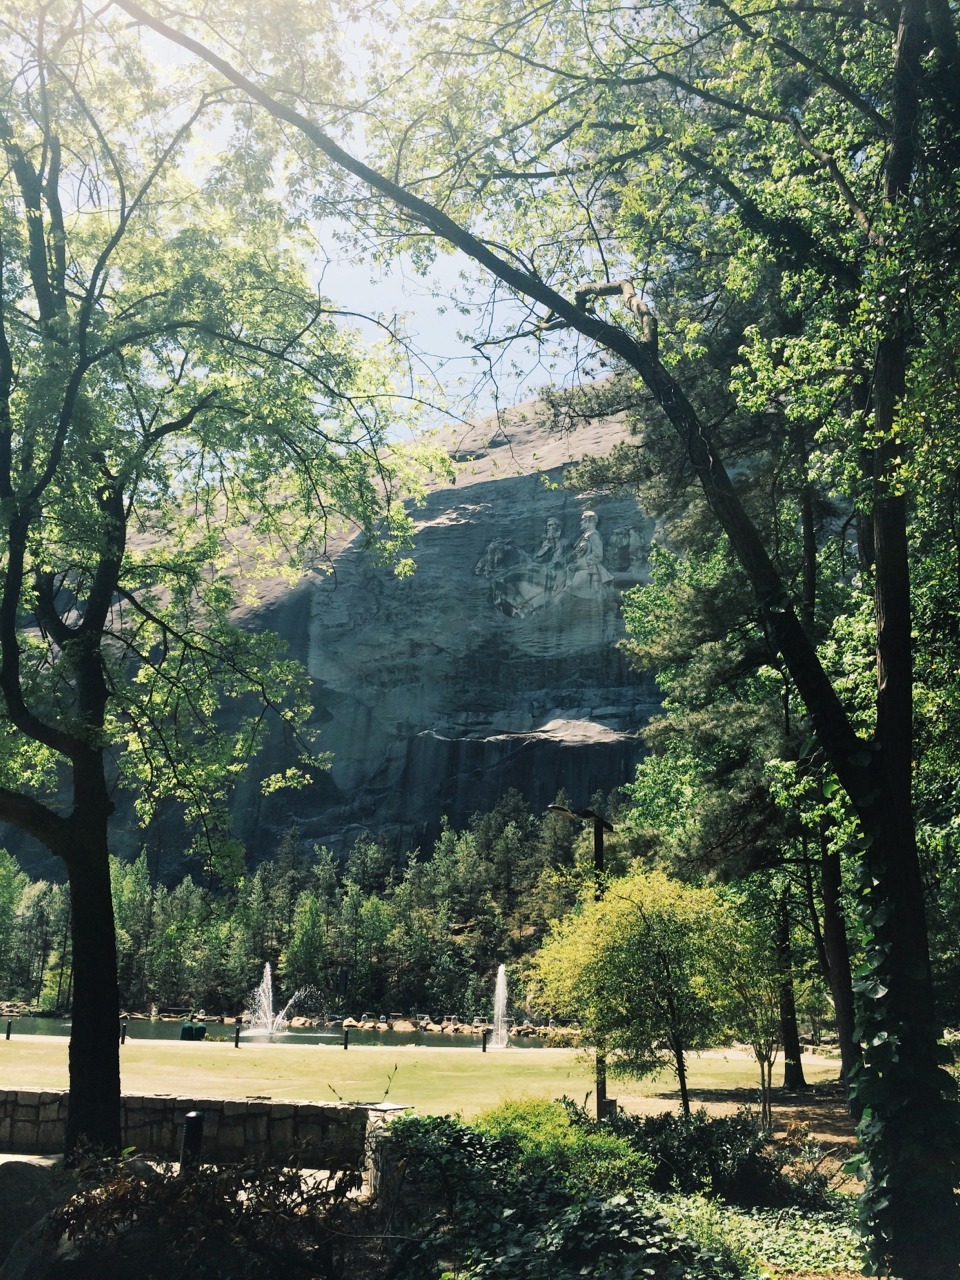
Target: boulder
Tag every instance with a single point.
(496, 665)
(28, 1190)
(33, 1255)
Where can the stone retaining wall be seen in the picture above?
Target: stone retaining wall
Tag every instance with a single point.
(325, 1135)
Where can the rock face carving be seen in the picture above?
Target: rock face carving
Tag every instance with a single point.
(554, 552)
(522, 583)
(586, 577)
(494, 666)
(518, 584)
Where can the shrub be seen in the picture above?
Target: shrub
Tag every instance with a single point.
(589, 1161)
(449, 1171)
(715, 1228)
(619, 1239)
(788, 1238)
(493, 1206)
(728, 1157)
(220, 1223)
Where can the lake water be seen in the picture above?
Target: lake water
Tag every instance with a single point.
(159, 1029)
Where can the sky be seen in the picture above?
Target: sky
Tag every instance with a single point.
(469, 382)
(472, 381)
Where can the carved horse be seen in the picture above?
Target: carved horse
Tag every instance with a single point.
(518, 584)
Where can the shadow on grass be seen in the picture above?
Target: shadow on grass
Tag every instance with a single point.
(822, 1108)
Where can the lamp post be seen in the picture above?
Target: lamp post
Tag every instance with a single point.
(600, 825)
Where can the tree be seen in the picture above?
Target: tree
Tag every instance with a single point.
(133, 912)
(711, 800)
(749, 992)
(635, 969)
(13, 884)
(684, 148)
(306, 961)
(178, 409)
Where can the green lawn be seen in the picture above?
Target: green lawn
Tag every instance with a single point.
(434, 1080)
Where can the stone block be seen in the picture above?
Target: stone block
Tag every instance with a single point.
(256, 1129)
(50, 1137)
(281, 1129)
(137, 1135)
(208, 1106)
(230, 1139)
(24, 1135)
(211, 1123)
(312, 1111)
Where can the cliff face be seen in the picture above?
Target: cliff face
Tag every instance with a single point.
(495, 666)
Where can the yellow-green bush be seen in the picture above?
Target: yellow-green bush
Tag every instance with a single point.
(593, 1161)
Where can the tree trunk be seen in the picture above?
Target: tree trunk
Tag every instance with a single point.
(908, 1135)
(93, 1112)
(833, 955)
(910, 1138)
(793, 1078)
(680, 1063)
(601, 1082)
(766, 1093)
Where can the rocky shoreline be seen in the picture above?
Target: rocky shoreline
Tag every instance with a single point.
(448, 1026)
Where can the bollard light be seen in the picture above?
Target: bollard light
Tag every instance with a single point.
(191, 1142)
(236, 1034)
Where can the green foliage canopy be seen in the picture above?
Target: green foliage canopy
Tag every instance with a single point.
(183, 413)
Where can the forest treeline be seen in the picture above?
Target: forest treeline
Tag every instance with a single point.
(378, 929)
(375, 930)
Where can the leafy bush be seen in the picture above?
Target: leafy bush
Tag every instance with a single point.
(450, 1170)
(492, 1206)
(790, 1239)
(715, 1228)
(587, 1160)
(728, 1157)
(220, 1223)
(618, 1239)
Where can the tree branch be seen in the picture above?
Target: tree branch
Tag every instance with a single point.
(797, 56)
(35, 819)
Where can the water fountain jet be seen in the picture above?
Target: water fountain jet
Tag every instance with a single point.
(263, 1020)
(498, 1036)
